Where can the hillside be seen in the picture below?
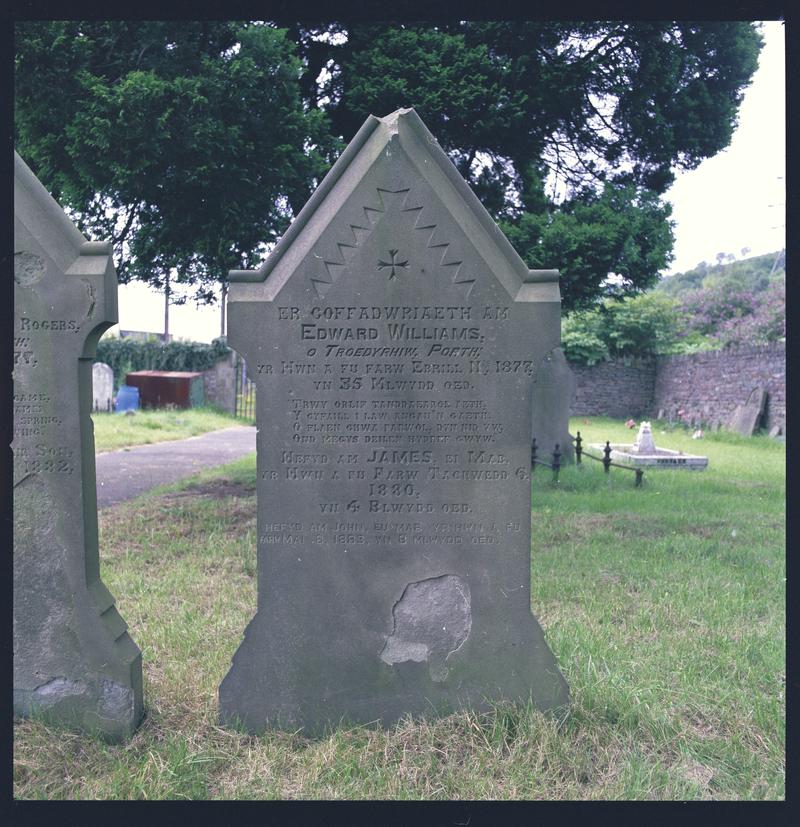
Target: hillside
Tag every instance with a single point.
(750, 274)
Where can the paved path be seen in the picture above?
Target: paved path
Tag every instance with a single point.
(123, 475)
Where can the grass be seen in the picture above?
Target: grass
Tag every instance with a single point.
(113, 431)
(663, 605)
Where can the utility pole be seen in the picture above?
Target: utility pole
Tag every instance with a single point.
(166, 308)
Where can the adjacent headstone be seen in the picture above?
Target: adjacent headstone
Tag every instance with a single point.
(554, 388)
(102, 386)
(74, 661)
(746, 418)
(394, 336)
(775, 431)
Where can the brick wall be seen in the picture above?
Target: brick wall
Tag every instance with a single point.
(707, 386)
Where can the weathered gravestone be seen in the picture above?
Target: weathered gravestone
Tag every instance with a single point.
(553, 391)
(393, 334)
(74, 661)
(746, 418)
(102, 386)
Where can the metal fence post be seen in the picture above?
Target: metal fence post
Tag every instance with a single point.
(607, 457)
(556, 462)
(578, 448)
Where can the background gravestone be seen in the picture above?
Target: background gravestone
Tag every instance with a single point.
(746, 418)
(102, 386)
(554, 388)
(74, 661)
(394, 335)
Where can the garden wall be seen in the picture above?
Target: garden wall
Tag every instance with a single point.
(709, 386)
(614, 388)
(219, 384)
(706, 386)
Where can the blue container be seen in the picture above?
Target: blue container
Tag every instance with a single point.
(127, 399)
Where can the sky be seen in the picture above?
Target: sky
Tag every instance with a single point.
(729, 202)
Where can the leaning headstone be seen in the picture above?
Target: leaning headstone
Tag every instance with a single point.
(74, 662)
(775, 431)
(102, 386)
(746, 418)
(553, 390)
(394, 336)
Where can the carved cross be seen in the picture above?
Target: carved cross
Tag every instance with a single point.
(393, 264)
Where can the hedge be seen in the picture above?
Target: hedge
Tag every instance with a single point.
(126, 355)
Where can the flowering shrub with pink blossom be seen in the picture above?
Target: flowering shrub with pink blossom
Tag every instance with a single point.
(728, 317)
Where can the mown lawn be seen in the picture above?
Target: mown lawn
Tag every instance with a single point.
(663, 605)
(113, 431)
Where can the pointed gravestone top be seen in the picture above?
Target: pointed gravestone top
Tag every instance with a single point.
(73, 659)
(394, 335)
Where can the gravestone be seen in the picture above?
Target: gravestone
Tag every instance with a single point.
(554, 388)
(74, 661)
(393, 335)
(746, 418)
(102, 386)
(644, 441)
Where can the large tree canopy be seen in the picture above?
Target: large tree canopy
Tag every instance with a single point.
(201, 140)
(183, 142)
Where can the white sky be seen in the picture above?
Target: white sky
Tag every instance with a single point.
(735, 199)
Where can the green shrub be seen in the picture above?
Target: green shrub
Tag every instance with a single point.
(126, 355)
(641, 326)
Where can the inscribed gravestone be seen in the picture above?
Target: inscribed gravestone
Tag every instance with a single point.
(74, 661)
(102, 386)
(553, 390)
(393, 335)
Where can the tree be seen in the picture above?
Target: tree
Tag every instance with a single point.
(569, 133)
(183, 142)
(560, 128)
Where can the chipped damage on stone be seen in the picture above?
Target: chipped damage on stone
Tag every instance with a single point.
(432, 619)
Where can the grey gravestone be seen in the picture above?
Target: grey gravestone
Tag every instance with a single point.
(74, 661)
(775, 431)
(393, 335)
(746, 417)
(553, 390)
(102, 386)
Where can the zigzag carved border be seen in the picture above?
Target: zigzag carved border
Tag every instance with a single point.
(322, 282)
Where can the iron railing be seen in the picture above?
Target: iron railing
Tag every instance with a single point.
(555, 463)
(245, 406)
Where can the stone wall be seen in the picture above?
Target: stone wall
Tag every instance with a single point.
(614, 389)
(219, 384)
(706, 386)
(709, 386)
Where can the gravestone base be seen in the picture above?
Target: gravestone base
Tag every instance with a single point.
(277, 682)
(662, 458)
